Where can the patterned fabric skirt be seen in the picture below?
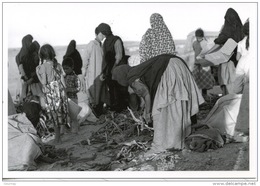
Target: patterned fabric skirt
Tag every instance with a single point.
(203, 77)
(56, 103)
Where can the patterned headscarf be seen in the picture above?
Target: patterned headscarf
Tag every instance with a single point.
(157, 40)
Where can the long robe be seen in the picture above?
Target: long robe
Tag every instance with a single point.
(176, 100)
(93, 62)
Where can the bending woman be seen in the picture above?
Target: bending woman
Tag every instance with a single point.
(171, 97)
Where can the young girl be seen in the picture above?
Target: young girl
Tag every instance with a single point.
(202, 75)
(50, 74)
(73, 86)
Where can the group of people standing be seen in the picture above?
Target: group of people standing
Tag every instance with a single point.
(162, 79)
(233, 75)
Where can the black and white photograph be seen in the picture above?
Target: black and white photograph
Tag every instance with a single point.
(127, 91)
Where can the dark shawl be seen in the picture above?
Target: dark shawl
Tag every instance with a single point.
(32, 61)
(150, 72)
(73, 53)
(109, 54)
(232, 29)
(26, 42)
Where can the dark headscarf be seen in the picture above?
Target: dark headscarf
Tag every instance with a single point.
(32, 60)
(73, 53)
(104, 29)
(26, 42)
(232, 28)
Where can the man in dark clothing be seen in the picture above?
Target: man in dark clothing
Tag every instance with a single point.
(114, 55)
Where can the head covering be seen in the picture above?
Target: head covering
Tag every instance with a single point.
(232, 28)
(157, 40)
(104, 29)
(32, 59)
(71, 48)
(73, 53)
(35, 47)
(26, 42)
(119, 74)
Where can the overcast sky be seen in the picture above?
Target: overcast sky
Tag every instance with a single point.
(58, 23)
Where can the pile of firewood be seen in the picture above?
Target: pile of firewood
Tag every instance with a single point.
(125, 125)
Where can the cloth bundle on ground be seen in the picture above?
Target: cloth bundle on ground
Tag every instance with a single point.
(24, 145)
(223, 116)
(81, 111)
(204, 138)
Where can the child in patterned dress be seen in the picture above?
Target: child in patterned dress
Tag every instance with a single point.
(73, 86)
(202, 75)
(50, 75)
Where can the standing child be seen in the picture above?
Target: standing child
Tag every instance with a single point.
(50, 74)
(73, 85)
(72, 81)
(202, 75)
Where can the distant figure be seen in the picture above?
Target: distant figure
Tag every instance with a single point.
(232, 29)
(92, 68)
(202, 75)
(20, 58)
(50, 74)
(156, 40)
(73, 53)
(114, 55)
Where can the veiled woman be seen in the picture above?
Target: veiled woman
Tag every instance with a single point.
(20, 59)
(164, 81)
(73, 53)
(232, 29)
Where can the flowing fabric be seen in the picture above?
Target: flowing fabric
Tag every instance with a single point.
(156, 40)
(223, 116)
(150, 72)
(73, 53)
(176, 100)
